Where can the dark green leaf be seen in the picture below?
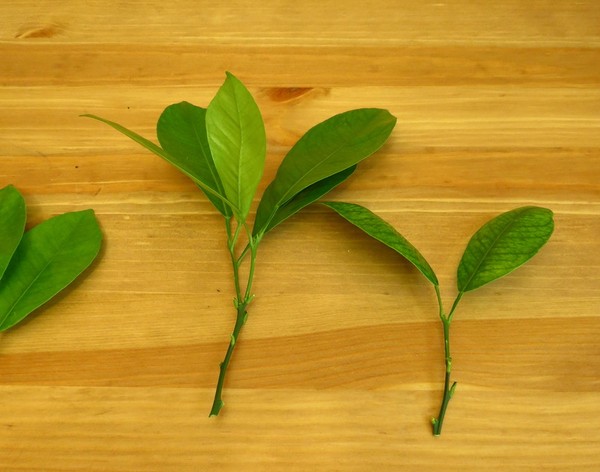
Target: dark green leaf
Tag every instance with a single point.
(184, 166)
(383, 232)
(307, 196)
(12, 224)
(181, 132)
(502, 245)
(236, 135)
(328, 148)
(49, 257)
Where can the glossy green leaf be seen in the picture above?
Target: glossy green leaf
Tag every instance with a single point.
(383, 232)
(181, 132)
(326, 149)
(502, 245)
(238, 143)
(186, 166)
(13, 215)
(307, 196)
(49, 257)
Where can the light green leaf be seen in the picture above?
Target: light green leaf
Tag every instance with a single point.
(185, 166)
(49, 257)
(236, 135)
(502, 245)
(181, 132)
(383, 232)
(307, 196)
(12, 223)
(326, 149)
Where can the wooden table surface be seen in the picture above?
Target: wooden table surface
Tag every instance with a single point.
(340, 366)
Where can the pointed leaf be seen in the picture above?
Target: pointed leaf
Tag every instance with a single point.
(236, 135)
(383, 232)
(502, 245)
(308, 196)
(12, 224)
(49, 257)
(181, 132)
(328, 148)
(183, 165)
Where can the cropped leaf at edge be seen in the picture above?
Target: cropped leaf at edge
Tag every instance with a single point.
(181, 132)
(49, 257)
(238, 143)
(385, 233)
(502, 245)
(182, 166)
(13, 216)
(308, 196)
(326, 149)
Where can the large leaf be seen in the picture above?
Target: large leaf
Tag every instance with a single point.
(12, 223)
(185, 166)
(49, 257)
(307, 196)
(502, 245)
(181, 132)
(383, 232)
(236, 135)
(326, 149)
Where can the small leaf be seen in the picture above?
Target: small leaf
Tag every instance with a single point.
(181, 131)
(236, 135)
(326, 149)
(307, 196)
(184, 166)
(49, 257)
(12, 224)
(502, 245)
(383, 232)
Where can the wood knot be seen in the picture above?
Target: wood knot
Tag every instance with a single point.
(38, 30)
(287, 94)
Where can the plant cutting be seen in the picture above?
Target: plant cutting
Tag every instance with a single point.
(496, 249)
(222, 148)
(36, 265)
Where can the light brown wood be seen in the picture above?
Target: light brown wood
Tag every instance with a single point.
(340, 366)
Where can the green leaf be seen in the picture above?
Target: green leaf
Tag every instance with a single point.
(12, 224)
(181, 132)
(236, 135)
(383, 232)
(307, 196)
(326, 149)
(49, 257)
(502, 245)
(185, 166)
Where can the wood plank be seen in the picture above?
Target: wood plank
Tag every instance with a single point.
(340, 366)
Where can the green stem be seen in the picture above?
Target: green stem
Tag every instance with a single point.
(241, 302)
(449, 388)
(239, 323)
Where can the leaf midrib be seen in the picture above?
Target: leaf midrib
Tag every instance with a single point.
(504, 230)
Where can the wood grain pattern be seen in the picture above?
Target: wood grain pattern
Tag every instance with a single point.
(340, 365)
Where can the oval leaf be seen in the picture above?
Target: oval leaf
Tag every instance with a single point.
(12, 224)
(307, 196)
(502, 245)
(236, 135)
(328, 148)
(49, 257)
(385, 233)
(181, 132)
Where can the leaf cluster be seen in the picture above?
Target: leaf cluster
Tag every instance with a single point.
(36, 265)
(222, 148)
